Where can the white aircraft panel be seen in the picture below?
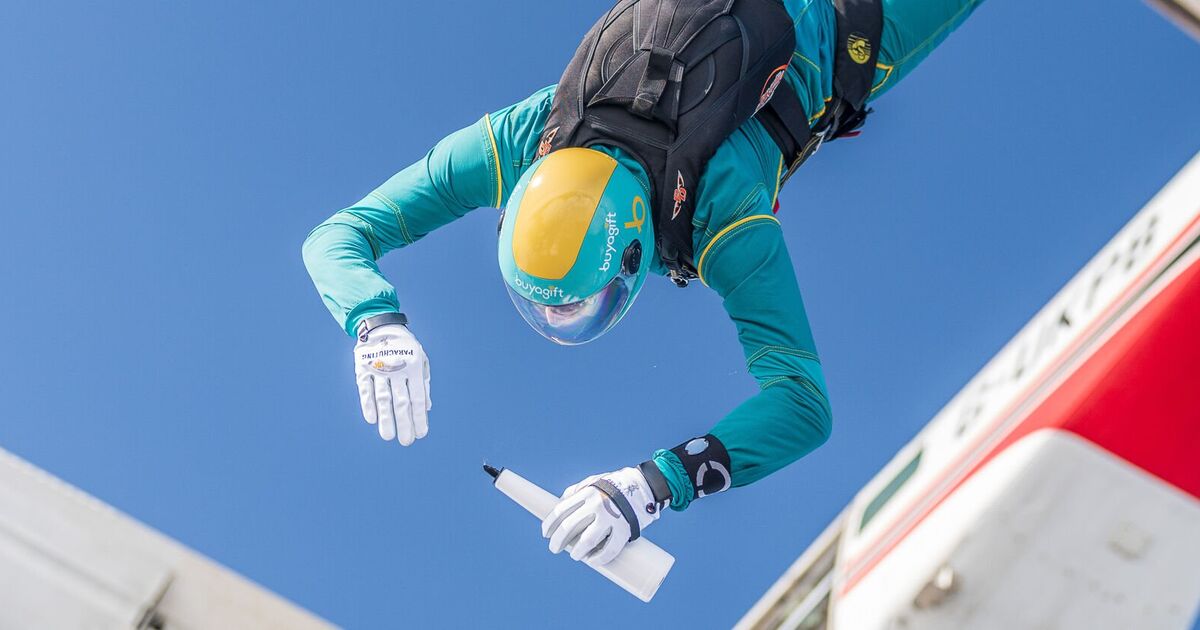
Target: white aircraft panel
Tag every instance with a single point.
(1054, 533)
(1184, 13)
(70, 561)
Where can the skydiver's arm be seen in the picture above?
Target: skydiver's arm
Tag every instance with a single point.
(471, 168)
(452, 179)
(750, 268)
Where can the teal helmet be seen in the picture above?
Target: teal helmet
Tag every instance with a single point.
(576, 241)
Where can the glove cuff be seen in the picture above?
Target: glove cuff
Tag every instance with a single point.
(657, 482)
(371, 323)
(632, 494)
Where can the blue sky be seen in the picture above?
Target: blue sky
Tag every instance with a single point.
(164, 350)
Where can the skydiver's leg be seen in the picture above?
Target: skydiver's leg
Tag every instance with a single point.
(911, 30)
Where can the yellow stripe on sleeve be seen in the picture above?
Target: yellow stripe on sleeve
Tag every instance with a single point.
(778, 181)
(887, 74)
(487, 119)
(729, 228)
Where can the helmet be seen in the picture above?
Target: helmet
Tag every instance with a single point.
(575, 244)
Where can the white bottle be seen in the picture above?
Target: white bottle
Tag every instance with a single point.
(641, 566)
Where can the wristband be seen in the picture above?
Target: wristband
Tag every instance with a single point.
(707, 464)
(659, 488)
(371, 323)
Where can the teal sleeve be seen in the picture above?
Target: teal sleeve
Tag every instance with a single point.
(471, 168)
(911, 30)
(790, 416)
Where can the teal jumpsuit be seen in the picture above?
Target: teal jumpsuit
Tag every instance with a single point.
(740, 249)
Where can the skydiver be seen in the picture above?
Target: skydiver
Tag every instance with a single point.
(663, 155)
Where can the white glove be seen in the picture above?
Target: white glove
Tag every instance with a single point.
(393, 382)
(593, 523)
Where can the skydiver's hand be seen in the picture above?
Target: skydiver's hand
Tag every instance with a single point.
(591, 520)
(393, 381)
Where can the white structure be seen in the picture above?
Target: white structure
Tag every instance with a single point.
(68, 561)
(1061, 487)
(1184, 13)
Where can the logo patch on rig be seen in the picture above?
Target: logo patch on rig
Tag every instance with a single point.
(859, 48)
(547, 141)
(680, 195)
(772, 84)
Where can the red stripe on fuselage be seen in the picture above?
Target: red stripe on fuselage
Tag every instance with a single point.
(1133, 397)
(1137, 396)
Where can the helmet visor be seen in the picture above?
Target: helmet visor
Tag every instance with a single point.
(577, 322)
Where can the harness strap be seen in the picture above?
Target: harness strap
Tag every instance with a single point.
(786, 122)
(859, 29)
(653, 82)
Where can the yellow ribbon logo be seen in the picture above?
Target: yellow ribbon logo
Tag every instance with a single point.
(638, 219)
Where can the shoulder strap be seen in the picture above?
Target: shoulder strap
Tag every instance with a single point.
(859, 30)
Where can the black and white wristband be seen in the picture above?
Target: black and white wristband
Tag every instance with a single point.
(371, 323)
(707, 464)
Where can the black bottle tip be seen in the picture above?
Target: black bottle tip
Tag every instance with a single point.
(491, 470)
